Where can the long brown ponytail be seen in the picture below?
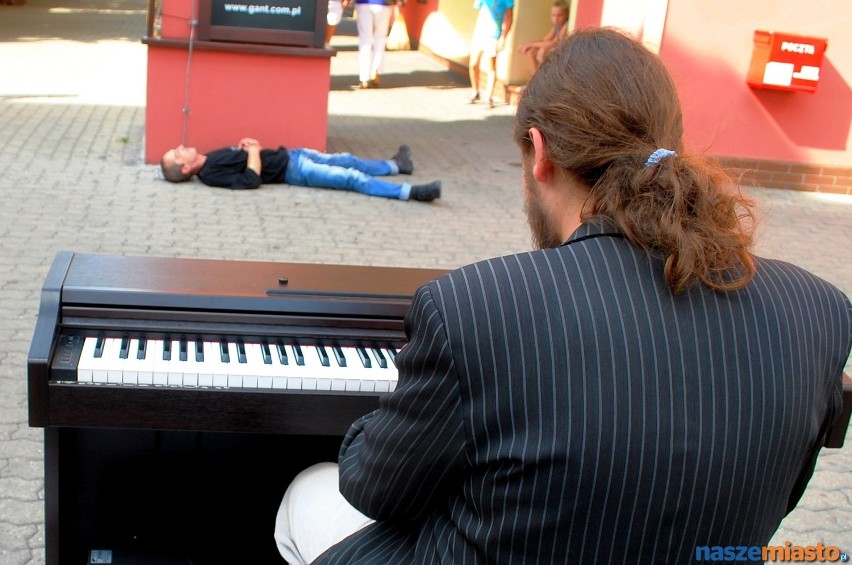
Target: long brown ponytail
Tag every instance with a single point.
(604, 104)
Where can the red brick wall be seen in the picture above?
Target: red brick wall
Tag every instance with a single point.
(791, 176)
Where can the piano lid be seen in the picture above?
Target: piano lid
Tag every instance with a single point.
(209, 284)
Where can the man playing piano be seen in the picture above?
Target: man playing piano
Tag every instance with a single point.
(639, 387)
(248, 165)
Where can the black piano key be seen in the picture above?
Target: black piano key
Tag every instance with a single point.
(167, 349)
(199, 350)
(365, 359)
(143, 348)
(297, 353)
(264, 351)
(282, 353)
(125, 346)
(241, 352)
(338, 354)
(323, 355)
(99, 347)
(392, 352)
(223, 352)
(183, 355)
(383, 363)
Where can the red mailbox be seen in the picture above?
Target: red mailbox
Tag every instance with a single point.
(786, 62)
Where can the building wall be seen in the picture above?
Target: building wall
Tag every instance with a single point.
(207, 108)
(792, 140)
(707, 45)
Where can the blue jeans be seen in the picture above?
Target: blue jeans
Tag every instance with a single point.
(343, 171)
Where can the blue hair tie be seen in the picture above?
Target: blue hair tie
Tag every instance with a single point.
(657, 155)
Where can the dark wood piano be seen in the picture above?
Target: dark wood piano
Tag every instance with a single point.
(180, 396)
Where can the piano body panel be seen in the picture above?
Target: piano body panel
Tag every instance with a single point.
(44, 334)
(837, 432)
(213, 410)
(216, 285)
(195, 471)
(164, 497)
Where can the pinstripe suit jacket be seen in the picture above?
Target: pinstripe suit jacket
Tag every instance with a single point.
(562, 406)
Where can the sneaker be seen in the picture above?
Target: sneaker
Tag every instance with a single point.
(426, 192)
(403, 160)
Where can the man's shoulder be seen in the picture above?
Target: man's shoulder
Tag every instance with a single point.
(498, 270)
(780, 273)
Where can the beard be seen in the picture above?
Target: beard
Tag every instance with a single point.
(544, 235)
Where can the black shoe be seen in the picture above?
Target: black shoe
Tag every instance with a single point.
(403, 160)
(426, 192)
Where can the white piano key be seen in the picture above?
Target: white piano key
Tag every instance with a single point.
(253, 365)
(87, 360)
(160, 367)
(189, 366)
(108, 360)
(115, 366)
(236, 369)
(145, 375)
(267, 368)
(281, 358)
(130, 371)
(175, 370)
(221, 367)
(207, 367)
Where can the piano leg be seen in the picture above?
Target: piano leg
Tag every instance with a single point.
(51, 496)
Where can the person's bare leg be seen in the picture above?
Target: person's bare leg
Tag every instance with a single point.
(533, 55)
(473, 70)
(492, 81)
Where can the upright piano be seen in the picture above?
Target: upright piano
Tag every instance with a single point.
(180, 396)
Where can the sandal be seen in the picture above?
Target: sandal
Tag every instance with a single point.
(473, 98)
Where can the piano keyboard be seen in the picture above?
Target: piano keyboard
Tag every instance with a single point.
(265, 365)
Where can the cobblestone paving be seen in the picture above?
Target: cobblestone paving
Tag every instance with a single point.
(72, 95)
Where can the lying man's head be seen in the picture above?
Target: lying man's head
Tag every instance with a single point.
(179, 164)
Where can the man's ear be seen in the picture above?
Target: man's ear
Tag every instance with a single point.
(186, 168)
(543, 168)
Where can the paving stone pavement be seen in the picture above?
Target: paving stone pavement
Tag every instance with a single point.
(72, 176)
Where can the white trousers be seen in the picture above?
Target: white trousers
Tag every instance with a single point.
(314, 516)
(373, 26)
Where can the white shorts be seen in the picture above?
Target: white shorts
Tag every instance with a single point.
(335, 12)
(314, 516)
(484, 35)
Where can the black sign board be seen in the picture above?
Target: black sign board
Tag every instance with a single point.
(276, 22)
